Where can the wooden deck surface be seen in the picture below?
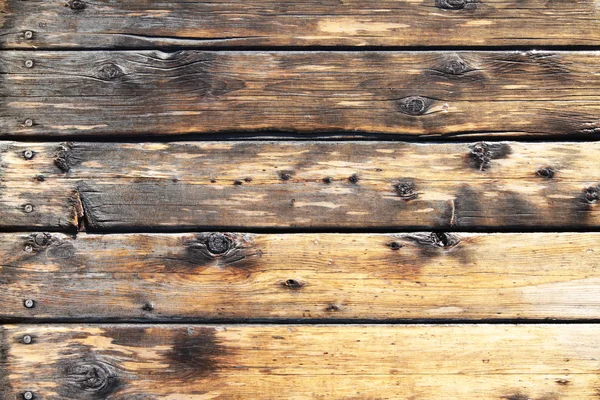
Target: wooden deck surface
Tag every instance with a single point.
(299, 199)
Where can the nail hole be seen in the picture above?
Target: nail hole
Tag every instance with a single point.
(354, 179)
(148, 307)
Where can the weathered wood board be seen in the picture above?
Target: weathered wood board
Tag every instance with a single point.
(138, 23)
(299, 185)
(472, 362)
(249, 277)
(134, 93)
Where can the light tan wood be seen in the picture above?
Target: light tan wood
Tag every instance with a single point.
(141, 93)
(472, 362)
(143, 24)
(212, 276)
(300, 185)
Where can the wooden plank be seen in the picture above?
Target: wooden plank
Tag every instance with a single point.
(473, 362)
(138, 23)
(300, 185)
(232, 276)
(408, 93)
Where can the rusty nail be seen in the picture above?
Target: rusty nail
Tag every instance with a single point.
(28, 35)
(28, 395)
(27, 339)
(28, 208)
(28, 122)
(29, 303)
(28, 154)
(28, 249)
(29, 64)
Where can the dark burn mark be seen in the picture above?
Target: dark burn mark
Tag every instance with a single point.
(64, 160)
(354, 178)
(248, 179)
(285, 175)
(413, 105)
(237, 182)
(292, 284)
(591, 194)
(545, 172)
(40, 178)
(406, 190)
(195, 353)
(131, 336)
(88, 378)
(148, 307)
(327, 180)
(233, 252)
(332, 308)
(110, 72)
(523, 396)
(482, 153)
(5, 381)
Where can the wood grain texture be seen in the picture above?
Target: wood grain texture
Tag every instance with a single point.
(502, 362)
(231, 276)
(423, 93)
(138, 23)
(300, 185)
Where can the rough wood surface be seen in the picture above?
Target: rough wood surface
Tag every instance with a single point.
(300, 185)
(423, 93)
(474, 362)
(138, 23)
(216, 276)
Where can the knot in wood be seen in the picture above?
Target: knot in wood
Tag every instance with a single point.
(413, 105)
(76, 5)
(546, 172)
(395, 246)
(451, 4)
(109, 72)
(217, 243)
(89, 377)
(442, 239)
(42, 239)
(292, 284)
(406, 190)
(454, 66)
(591, 194)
